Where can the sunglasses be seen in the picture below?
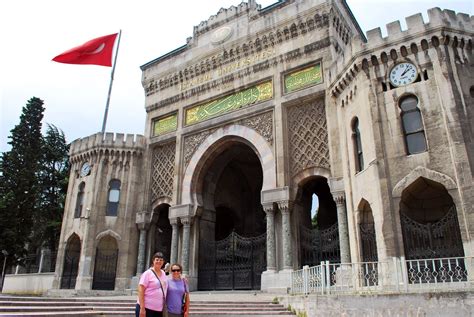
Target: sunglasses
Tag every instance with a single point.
(178, 270)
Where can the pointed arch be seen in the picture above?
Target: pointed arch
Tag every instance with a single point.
(424, 172)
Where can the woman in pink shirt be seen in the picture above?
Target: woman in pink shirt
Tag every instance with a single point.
(152, 289)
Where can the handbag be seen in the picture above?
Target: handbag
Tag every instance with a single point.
(165, 308)
(183, 308)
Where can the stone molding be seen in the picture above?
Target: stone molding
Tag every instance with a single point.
(108, 232)
(339, 198)
(143, 220)
(261, 123)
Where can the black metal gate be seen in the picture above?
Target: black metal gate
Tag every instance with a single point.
(105, 269)
(368, 242)
(319, 245)
(71, 266)
(235, 262)
(440, 239)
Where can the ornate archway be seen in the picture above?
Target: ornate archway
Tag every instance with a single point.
(105, 264)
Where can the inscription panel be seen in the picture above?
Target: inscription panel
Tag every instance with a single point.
(165, 125)
(244, 98)
(303, 78)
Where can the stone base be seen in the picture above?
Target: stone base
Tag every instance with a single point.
(276, 282)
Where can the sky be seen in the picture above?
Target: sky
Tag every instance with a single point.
(32, 32)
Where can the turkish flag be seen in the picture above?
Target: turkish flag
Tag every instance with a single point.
(95, 52)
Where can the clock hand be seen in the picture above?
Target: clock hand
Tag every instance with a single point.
(405, 71)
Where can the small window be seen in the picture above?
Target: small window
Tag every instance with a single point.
(359, 157)
(113, 197)
(79, 200)
(412, 125)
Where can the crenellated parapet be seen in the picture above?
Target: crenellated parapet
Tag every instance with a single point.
(445, 27)
(225, 15)
(118, 144)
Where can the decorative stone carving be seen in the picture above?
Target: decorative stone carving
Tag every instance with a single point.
(308, 136)
(163, 170)
(192, 142)
(263, 124)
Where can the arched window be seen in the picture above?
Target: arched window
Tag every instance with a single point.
(359, 157)
(113, 197)
(412, 125)
(79, 200)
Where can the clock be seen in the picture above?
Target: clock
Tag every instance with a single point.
(403, 74)
(85, 169)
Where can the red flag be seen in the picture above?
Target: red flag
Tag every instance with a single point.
(95, 52)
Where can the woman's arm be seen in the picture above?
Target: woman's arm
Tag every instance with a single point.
(141, 299)
(186, 305)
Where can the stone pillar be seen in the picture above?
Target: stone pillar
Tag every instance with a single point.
(271, 254)
(142, 220)
(174, 241)
(343, 227)
(285, 208)
(186, 221)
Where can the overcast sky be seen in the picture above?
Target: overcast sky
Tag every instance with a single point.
(32, 32)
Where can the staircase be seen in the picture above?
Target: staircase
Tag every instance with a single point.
(221, 305)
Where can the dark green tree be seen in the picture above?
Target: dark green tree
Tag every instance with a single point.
(53, 181)
(19, 186)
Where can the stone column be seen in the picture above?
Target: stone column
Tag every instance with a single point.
(142, 220)
(285, 207)
(186, 221)
(271, 254)
(343, 227)
(174, 240)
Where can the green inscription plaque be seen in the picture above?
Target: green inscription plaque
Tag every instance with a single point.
(165, 125)
(244, 98)
(303, 78)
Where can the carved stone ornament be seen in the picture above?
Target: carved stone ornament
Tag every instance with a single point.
(308, 136)
(221, 35)
(163, 170)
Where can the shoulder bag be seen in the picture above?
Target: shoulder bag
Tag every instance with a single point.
(165, 308)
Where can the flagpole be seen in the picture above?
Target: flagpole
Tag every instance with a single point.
(110, 86)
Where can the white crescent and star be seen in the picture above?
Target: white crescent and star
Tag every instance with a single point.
(99, 49)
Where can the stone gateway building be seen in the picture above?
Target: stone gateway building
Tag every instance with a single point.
(262, 111)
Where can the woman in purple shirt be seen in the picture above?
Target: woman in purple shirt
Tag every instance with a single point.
(177, 299)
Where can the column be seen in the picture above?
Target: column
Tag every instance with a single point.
(285, 207)
(142, 220)
(174, 240)
(186, 221)
(271, 254)
(343, 227)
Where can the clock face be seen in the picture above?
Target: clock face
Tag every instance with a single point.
(85, 169)
(403, 74)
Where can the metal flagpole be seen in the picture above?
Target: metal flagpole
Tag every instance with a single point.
(110, 86)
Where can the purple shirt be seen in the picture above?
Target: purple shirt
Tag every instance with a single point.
(174, 299)
(153, 293)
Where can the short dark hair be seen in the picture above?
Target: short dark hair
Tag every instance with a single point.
(178, 265)
(157, 255)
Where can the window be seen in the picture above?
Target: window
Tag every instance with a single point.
(113, 197)
(359, 157)
(79, 200)
(412, 125)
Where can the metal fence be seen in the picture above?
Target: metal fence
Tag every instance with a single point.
(35, 263)
(396, 276)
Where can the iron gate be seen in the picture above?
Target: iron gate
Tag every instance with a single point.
(105, 269)
(70, 269)
(368, 242)
(235, 262)
(319, 245)
(441, 239)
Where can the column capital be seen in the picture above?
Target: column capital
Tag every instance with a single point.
(143, 220)
(268, 208)
(173, 221)
(339, 198)
(285, 206)
(186, 221)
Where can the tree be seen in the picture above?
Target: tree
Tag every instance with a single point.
(53, 181)
(19, 186)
